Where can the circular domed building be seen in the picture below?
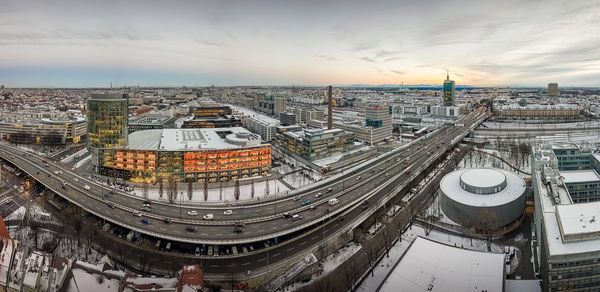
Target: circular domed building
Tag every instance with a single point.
(470, 195)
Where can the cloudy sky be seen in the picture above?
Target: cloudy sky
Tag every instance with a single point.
(172, 43)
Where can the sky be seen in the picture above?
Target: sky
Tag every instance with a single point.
(53, 43)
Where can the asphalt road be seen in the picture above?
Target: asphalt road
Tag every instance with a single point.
(263, 220)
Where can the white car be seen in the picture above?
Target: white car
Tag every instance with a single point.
(193, 213)
(228, 212)
(137, 213)
(87, 187)
(75, 179)
(208, 217)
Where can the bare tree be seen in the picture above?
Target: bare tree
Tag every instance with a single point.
(350, 274)
(161, 187)
(236, 192)
(324, 284)
(387, 238)
(486, 225)
(172, 192)
(205, 189)
(372, 258)
(145, 190)
(267, 189)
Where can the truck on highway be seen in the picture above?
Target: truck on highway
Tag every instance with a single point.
(333, 201)
(87, 187)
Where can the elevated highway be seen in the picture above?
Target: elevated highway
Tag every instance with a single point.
(374, 181)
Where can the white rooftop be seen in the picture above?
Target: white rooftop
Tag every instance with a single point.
(483, 178)
(579, 221)
(192, 139)
(579, 176)
(432, 266)
(515, 187)
(556, 245)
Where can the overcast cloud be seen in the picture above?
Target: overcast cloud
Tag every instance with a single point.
(93, 43)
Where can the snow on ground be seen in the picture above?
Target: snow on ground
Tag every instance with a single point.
(17, 214)
(74, 248)
(83, 161)
(75, 155)
(83, 281)
(276, 188)
(335, 259)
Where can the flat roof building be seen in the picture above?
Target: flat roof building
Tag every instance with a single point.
(316, 143)
(217, 154)
(149, 122)
(566, 210)
(431, 266)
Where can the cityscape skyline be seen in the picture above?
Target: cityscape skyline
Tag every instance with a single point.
(86, 44)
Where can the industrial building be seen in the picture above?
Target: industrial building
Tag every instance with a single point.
(566, 227)
(217, 154)
(316, 144)
(474, 196)
(107, 118)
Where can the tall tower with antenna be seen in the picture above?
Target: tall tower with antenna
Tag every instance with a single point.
(448, 91)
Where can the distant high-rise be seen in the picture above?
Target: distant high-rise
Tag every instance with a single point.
(553, 89)
(2, 86)
(448, 91)
(107, 117)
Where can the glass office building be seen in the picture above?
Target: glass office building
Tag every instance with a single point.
(107, 116)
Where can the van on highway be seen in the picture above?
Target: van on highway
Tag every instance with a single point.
(333, 201)
(87, 187)
(208, 217)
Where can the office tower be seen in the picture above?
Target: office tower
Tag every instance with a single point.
(448, 91)
(553, 89)
(107, 125)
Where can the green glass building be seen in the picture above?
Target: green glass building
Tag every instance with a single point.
(107, 116)
(448, 91)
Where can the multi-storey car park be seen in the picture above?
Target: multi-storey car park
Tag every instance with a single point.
(276, 239)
